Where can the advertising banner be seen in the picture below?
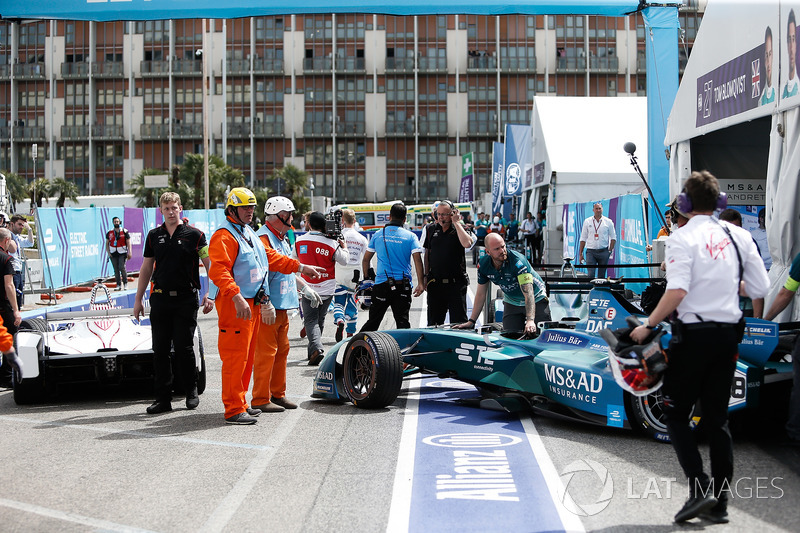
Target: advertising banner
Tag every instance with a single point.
(465, 191)
(517, 158)
(498, 152)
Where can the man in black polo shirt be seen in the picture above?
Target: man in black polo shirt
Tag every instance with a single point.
(446, 265)
(170, 255)
(9, 310)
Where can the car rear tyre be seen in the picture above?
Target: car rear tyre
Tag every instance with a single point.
(372, 370)
(646, 414)
(30, 390)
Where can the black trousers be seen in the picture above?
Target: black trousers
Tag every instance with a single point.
(384, 297)
(514, 315)
(444, 297)
(173, 320)
(701, 367)
(8, 321)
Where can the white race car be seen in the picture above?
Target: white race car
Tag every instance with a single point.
(100, 345)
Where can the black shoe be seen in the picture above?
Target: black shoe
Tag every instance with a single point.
(715, 517)
(242, 419)
(315, 358)
(253, 412)
(283, 402)
(192, 399)
(159, 407)
(694, 506)
(339, 331)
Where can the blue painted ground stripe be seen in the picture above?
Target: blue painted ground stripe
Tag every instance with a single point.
(475, 470)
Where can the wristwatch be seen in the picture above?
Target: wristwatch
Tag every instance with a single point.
(647, 323)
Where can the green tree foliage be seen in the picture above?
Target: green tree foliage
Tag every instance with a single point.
(220, 177)
(294, 186)
(17, 189)
(39, 190)
(146, 196)
(63, 189)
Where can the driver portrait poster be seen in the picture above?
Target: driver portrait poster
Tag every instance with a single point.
(517, 158)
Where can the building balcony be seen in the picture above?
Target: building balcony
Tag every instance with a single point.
(107, 69)
(154, 132)
(317, 129)
(399, 128)
(351, 129)
(75, 70)
(5, 133)
(268, 130)
(518, 64)
(187, 67)
(261, 130)
(641, 64)
(570, 64)
(74, 133)
(108, 132)
(29, 71)
(155, 69)
(5, 72)
(350, 65)
(432, 65)
(317, 64)
(600, 65)
(432, 128)
(29, 133)
(268, 66)
(478, 64)
(399, 65)
(482, 128)
(187, 131)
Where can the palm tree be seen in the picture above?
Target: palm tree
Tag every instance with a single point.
(294, 185)
(146, 196)
(64, 189)
(39, 190)
(17, 189)
(220, 177)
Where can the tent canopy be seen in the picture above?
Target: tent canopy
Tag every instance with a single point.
(103, 10)
(581, 140)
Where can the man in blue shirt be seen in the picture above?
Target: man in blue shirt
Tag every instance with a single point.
(395, 247)
(524, 298)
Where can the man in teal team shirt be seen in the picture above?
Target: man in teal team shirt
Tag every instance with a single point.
(524, 298)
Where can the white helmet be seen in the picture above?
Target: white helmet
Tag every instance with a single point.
(276, 204)
(496, 220)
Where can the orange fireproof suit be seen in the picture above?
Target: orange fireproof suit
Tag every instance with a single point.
(237, 337)
(272, 351)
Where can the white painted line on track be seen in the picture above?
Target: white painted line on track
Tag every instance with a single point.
(94, 523)
(218, 520)
(550, 475)
(145, 434)
(400, 511)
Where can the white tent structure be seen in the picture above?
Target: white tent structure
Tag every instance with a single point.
(578, 151)
(736, 115)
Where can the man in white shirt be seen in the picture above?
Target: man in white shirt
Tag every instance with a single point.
(598, 237)
(345, 311)
(706, 262)
(760, 236)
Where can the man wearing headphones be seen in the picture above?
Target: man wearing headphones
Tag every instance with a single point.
(446, 266)
(239, 267)
(706, 262)
(395, 247)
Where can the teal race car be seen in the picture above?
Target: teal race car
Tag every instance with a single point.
(564, 372)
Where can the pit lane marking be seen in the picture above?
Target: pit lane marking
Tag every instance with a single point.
(145, 434)
(94, 523)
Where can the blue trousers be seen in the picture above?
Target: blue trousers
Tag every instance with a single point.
(344, 308)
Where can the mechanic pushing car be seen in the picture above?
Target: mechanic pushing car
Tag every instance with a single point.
(706, 262)
(170, 258)
(239, 268)
(525, 301)
(272, 340)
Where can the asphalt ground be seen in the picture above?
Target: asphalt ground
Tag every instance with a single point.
(92, 460)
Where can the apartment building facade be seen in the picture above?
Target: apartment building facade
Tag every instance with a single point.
(373, 107)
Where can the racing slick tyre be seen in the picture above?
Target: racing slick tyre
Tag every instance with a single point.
(646, 414)
(372, 370)
(30, 390)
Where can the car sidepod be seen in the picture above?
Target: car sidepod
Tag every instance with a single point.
(575, 376)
